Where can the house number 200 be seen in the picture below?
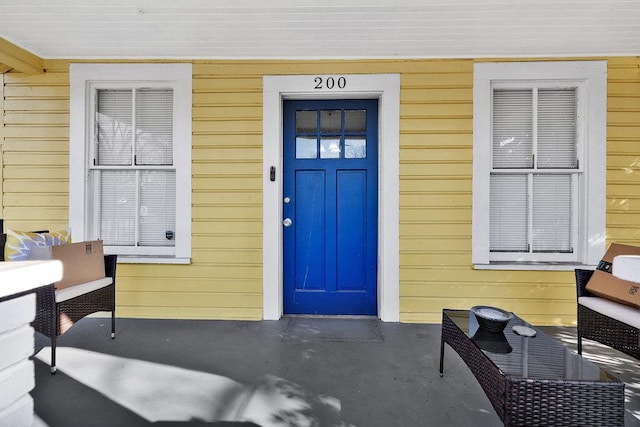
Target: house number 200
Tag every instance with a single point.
(330, 83)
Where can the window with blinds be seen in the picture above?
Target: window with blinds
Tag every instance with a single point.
(539, 164)
(132, 167)
(534, 171)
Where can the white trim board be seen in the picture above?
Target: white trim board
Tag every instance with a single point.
(385, 88)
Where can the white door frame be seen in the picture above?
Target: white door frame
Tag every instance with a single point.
(385, 88)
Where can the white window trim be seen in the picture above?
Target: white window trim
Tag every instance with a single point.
(180, 76)
(591, 76)
(386, 88)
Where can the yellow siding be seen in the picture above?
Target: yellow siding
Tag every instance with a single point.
(36, 150)
(224, 280)
(2, 109)
(623, 155)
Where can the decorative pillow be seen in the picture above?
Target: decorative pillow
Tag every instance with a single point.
(3, 239)
(19, 243)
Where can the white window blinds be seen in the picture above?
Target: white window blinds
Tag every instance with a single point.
(154, 122)
(118, 207)
(157, 208)
(534, 161)
(114, 123)
(551, 213)
(512, 128)
(509, 213)
(557, 128)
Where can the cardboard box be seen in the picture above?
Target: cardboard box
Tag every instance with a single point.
(606, 285)
(81, 262)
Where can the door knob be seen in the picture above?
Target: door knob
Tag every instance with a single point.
(287, 222)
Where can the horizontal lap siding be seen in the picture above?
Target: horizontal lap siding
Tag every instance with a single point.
(35, 150)
(623, 151)
(227, 194)
(436, 145)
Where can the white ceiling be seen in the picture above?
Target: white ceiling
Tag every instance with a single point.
(163, 29)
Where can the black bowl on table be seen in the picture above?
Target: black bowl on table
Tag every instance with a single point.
(491, 319)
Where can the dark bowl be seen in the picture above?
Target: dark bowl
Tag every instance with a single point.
(491, 319)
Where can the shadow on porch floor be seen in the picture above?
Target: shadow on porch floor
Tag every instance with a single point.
(292, 372)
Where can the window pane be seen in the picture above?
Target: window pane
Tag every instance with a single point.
(557, 128)
(508, 217)
(355, 148)
(552, 213)
(117, 207)
(512, 128)
(306, 148)
(306, 121)
(330, 148)
(330, 121)
(114, 136)
(154, 127)
(355, 121)
(157, 208)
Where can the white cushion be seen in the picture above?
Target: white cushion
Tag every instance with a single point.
(81, 289)
(623, 313)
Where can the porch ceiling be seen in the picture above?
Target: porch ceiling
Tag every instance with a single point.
(280, 29)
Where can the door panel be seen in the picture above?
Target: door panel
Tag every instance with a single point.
(309, 225)
(330, 189)
(351, 230)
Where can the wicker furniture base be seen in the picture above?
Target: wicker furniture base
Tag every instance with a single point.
(534, 401)
(603, 329)
(55, 318)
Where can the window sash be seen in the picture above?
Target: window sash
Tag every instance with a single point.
(133, 173)
(135, 208)
(534, 130)
(118, 111)
(533, 214)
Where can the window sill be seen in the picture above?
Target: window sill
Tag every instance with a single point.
(543, 266)
(128, 259)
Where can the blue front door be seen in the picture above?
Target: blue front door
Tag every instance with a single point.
(330, 207)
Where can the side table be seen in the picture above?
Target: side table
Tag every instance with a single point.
(533, 381)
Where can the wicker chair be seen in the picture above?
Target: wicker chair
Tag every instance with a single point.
(55, 318)
(598, 327)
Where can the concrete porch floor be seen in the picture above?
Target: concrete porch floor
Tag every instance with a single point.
(293, 372)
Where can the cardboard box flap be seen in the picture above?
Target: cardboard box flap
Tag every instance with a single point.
(82, 262)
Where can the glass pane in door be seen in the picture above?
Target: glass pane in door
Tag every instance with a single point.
(330, 121)
(355, 121)
(355, 147)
